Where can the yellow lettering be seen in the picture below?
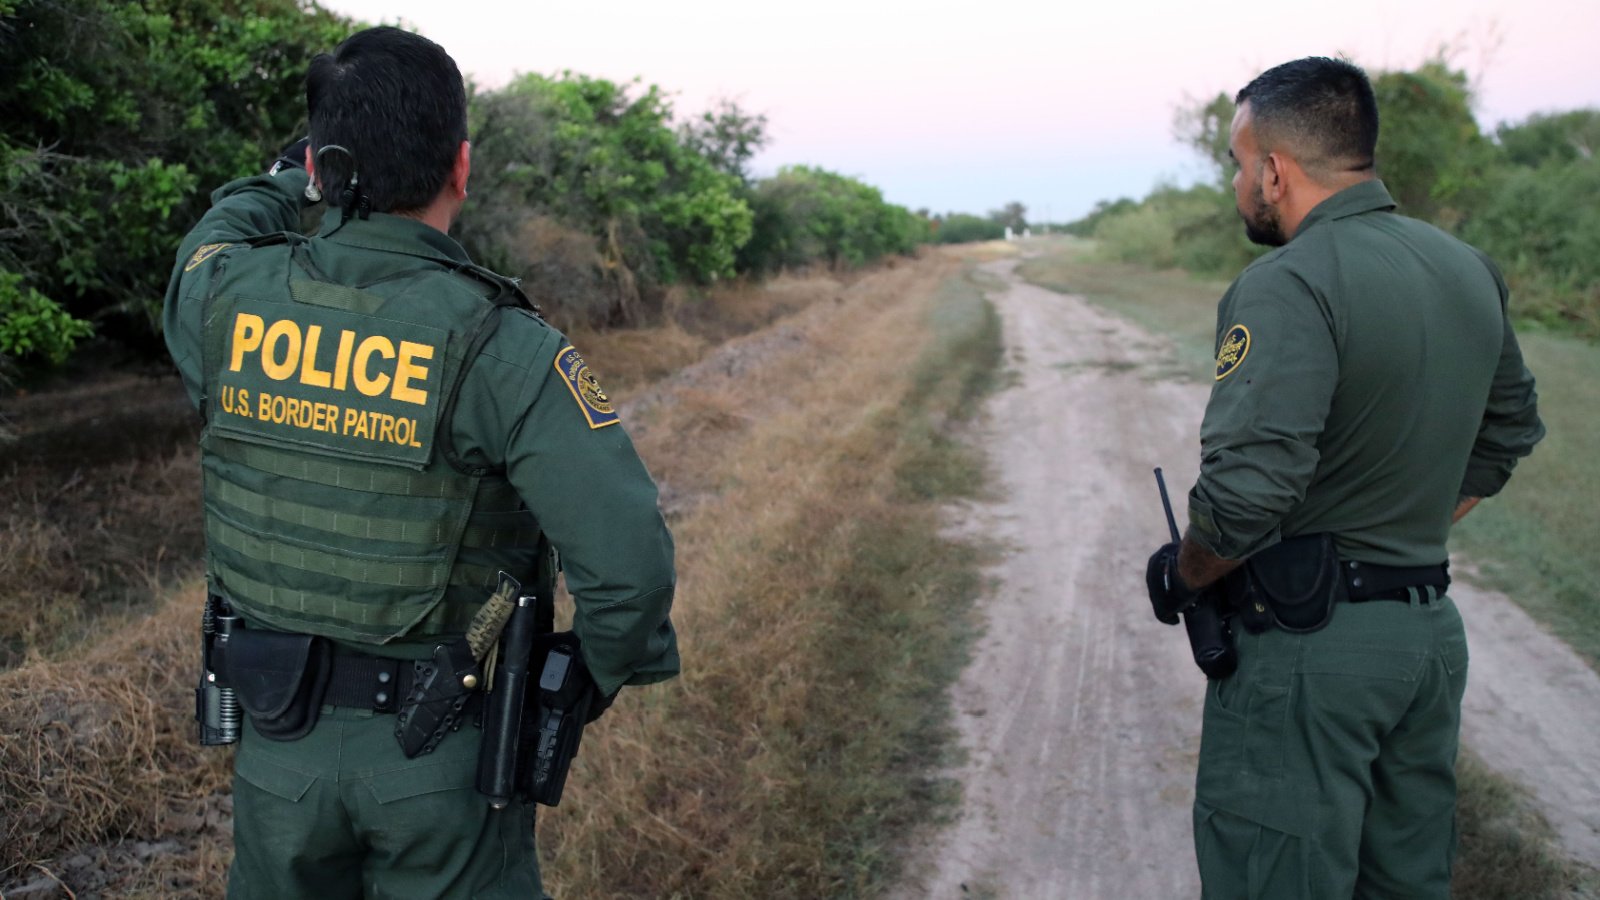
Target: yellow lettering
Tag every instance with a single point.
(246, 337)
(309, 374)
(405, 371)
(341, 364)
(242, 403)
(350, 416)
(286, 332)
(365, 383)
(386, 428)
(403, 429)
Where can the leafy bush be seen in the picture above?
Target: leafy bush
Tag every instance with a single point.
(114, 117)
(960, 228)
(1547, 243)
(806, 214)
(1518, 198)
(33, 324)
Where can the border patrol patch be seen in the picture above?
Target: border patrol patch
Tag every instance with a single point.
(592, 399)
(1235, 345)
(203, 254)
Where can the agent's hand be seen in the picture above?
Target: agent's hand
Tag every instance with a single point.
(599, 704)
(1169, 596)
(292, 157)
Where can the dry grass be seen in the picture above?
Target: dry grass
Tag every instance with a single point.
(696, 321)
(1508, 851)
(101, 746)
(99, 506)
(821, 616)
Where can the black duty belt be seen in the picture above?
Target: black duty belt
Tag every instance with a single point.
(359, 681)
(1365, 581)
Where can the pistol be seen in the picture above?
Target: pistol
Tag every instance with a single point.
(566, 691)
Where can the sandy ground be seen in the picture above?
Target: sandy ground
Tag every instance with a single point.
(1080, 713)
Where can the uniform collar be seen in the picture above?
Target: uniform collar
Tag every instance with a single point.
(394, 234)
(1368, 196)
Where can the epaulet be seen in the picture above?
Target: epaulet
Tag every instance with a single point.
(503, 291)
(271, 238)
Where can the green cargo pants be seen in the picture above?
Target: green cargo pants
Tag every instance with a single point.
(341, 813)
(1327, 762)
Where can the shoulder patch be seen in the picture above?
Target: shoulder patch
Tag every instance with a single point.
(592, 399)
(1235, 346)
(204, 253)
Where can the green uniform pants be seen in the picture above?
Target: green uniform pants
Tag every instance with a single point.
(1327, 762)
(341, 813)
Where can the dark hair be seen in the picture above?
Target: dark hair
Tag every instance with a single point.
(396, 102)
(1321, 110)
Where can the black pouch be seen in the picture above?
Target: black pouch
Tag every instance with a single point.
(280, 680)
(1292, 585)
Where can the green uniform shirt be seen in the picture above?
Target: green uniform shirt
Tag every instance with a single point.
(1367, 377)
(574, 468)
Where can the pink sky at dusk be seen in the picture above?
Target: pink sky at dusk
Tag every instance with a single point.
(968, 106)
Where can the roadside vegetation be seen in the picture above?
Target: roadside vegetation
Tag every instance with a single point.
(1526, 194)
(1531, 542)
(802, 467)
(117, 120)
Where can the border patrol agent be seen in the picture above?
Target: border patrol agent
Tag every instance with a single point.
(387, 428)
(1369, 391)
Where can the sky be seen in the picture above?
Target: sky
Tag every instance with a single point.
(967, 106)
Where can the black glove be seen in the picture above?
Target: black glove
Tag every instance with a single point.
(1169, 596)
(599, 703)
(292, 157)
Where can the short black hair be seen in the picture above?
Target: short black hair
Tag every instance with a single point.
(396, 102)
(1322, 110)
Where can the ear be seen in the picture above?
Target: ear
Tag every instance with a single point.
(460, 170)
(1274, 177)
(311, 164)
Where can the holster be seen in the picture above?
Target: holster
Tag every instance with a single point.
(1293, 585)
(280, 679)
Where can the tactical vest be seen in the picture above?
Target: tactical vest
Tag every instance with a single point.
(335, 503)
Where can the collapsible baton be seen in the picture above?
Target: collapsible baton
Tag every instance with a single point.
(1209, 638)
(502, 717)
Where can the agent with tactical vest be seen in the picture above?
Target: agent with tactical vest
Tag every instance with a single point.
(393, 437)
(1369, 391)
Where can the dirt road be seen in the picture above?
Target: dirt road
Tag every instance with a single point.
(1081, 714)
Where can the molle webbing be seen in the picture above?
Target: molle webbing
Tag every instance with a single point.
(335, 296)
(316, 525)
(363, 527)
(353, 475)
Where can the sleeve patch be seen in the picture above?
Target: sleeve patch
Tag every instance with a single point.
(592, 399)
(204, 253)
(1235, 346)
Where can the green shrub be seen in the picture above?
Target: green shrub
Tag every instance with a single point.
(32, 324)
(960, 228)
(806, 215)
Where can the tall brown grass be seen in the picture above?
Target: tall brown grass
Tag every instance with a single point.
(821, 616)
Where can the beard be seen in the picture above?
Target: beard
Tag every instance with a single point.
(1262, 224)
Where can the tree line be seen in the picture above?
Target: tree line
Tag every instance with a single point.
(1528, 193)
(117, 119)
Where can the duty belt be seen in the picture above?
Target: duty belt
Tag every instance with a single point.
(359, 681)
(1365, 581)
